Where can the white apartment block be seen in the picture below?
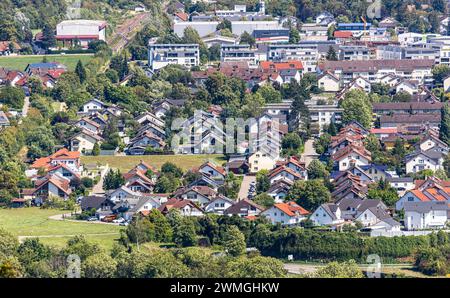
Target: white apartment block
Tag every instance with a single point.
(306, 53)
(161, 55)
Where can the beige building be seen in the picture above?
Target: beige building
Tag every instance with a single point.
(261, 161)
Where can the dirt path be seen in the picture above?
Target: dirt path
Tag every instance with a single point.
(23, 238)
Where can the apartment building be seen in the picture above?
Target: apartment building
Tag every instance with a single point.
(161, 55)
(306, 53)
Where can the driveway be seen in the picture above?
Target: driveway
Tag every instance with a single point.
(98, 188)
(245, 186)
(310, 153)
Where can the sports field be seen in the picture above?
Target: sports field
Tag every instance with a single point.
(20, 62)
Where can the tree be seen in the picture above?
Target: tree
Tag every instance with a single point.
(309, 194)
(321, 144)
(264, 200)
(440, 72)
(246, 38)
(294, 36)
(78, 245)
(269, 94)
(151, 263)
(316, 169)
(10, 267)
(96, 149)
(291, 144)
(444, 132)
(431, 261)
(331, 54)
(113, 180)
(8, 244)
(339, 270)
(162, 229)
(81, 72)
(256, 267)
(99, 266)
(402, 97)
(12, 96)
(184, 233)
(48, 37)
(171, 168)
(357, 107)
(262, 181)
(384, 192)
(234, 242)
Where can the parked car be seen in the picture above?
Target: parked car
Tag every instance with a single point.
(124, 224)
(119, 220)
(109, 218)
(92, 218)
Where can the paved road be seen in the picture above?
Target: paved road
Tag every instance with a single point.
(25, 108)
(310, 153)
(245, 186)
(98, 188)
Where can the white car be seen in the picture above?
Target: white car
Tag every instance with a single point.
(119, 220)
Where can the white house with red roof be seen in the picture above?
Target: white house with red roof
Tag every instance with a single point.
(52, 185)
(426, 215)
(289, 213)
(351, 156)
(429, 190)
(213, 171)
(284, 173)
(186, 207)
(63, 156)
(219, 204)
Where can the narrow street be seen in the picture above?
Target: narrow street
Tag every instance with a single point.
(245, 186)
(310, 153)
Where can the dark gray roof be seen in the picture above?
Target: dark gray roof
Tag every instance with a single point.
(426, 206)
(90, 202)
(400, 179)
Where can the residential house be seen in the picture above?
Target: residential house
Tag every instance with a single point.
(219, 204)
(350, 156)
(244, 208)
(137, 181)
(4, 121)
(93, 105)
(426, 215)
(51, 186)
(289, 213)
(328, 82)
(430, 190)
(424, 160)
(63, 156)
(213, 171)
(84, 141)
(279, 190)
(199, 194)
(261, 161)
(101, 204)
(186, 207)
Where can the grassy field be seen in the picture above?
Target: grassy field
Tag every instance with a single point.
(36, 222)
(20, 62)
(125, 163)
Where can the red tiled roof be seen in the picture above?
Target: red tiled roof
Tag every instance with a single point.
(343, 34)
(291, 208)
(277, 66)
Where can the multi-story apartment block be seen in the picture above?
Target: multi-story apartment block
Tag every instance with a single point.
(161, 55)
(374, 70)
(306, 53)
(238, 52)
(354, 53)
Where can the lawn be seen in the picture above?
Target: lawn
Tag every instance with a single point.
(125, 163)
(36, 222)
(20, 62)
